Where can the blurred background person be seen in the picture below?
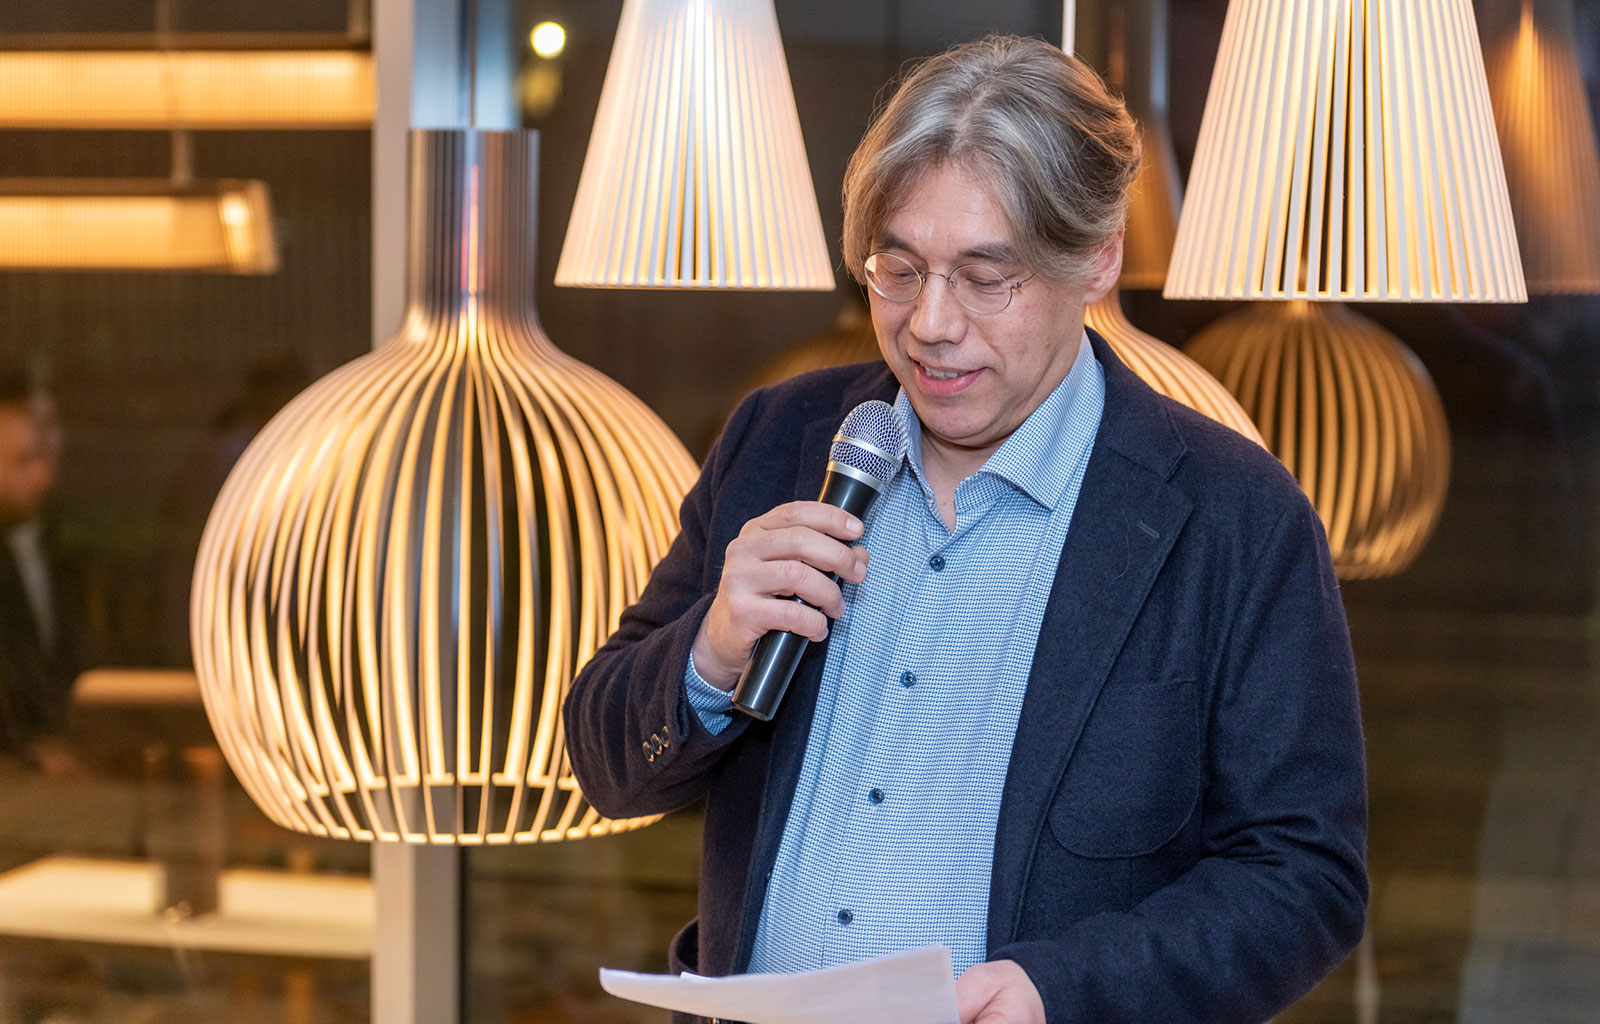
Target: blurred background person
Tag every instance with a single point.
(38, 657)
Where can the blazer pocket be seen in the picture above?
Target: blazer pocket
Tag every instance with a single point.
(1134, 780)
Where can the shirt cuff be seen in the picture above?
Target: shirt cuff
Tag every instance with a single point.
(714, 707)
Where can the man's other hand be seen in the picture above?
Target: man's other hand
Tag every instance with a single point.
(789, 551)
(998, 992)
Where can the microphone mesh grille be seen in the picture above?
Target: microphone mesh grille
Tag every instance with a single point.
(877, 424)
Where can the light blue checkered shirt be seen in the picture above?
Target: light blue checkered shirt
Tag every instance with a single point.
(890, 839)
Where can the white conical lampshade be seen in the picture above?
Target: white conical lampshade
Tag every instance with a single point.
(696, 175)
(1548, 140)
(1348, 153)
(409, 563)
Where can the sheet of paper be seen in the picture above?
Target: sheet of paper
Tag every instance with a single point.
(913, 987)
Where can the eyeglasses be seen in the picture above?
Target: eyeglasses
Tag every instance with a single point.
(978, 287)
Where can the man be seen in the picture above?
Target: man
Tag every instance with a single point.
(36, 663)
(1087, 713)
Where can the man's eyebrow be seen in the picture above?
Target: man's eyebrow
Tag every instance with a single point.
(992, 252)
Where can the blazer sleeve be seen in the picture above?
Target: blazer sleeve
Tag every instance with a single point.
(637, 746)
(1278, 893)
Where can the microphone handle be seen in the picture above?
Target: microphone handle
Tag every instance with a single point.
(766, 678)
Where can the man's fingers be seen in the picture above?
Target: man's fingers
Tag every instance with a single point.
(812, 515)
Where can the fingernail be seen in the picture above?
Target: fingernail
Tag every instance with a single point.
(853, 524)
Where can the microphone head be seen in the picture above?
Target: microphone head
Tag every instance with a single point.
(872, 441)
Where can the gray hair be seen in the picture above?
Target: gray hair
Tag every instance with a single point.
(1057, 150)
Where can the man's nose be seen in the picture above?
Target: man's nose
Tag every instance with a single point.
(938, 316)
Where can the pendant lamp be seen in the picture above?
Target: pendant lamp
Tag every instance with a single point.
(407, 566)
(160, 83)
(1354, 416)
(1348, 152)
(1165, 368)
(136, 224)
(1547, 136)
(696, 175)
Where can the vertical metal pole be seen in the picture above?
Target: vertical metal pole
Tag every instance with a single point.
(1069, 25)
(416, 959)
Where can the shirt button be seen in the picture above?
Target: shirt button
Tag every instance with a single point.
(845, 917)
(876, 796)
(908, 678)
(936, 563)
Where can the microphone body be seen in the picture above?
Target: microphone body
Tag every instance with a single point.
(866, 452)
(777, 655)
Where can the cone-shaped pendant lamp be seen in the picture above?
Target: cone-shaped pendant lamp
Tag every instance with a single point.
(1348, 153)
(696, 175)
(1354, 416)
(1166, 369)
(1547, 137)
(406, 567)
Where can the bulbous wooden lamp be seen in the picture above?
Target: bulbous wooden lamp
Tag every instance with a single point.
(410, 563)
(405, 569)
(1347, 154)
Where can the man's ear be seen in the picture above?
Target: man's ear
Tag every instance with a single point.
(1107, 268)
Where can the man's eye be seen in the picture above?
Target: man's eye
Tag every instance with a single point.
(984, 284)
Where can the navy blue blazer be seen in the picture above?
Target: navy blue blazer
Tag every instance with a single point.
(1182, 831)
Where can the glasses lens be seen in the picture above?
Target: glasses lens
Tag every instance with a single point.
(981, 289)
(892, 277)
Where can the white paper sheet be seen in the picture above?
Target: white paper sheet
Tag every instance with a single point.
(913, 987)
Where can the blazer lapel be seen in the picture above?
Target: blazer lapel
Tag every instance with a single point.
(1123, 527)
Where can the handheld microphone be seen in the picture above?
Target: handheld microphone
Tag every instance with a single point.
(866, 451)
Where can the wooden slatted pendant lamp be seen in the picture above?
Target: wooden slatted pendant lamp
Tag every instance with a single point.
(1547, 136)
(1367, 438)
(696, 174)
(1347, 153)
(408, 565)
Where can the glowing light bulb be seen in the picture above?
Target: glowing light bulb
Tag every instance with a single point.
(548, 39)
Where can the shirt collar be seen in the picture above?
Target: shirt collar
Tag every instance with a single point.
(1040, 456)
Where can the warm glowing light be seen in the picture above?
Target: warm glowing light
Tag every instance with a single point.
(1547, 136)
(62, 224)
(1348, 152)
(1166, 369)
(410, 562)
(696, 175)
(203, 89)
(1353, 415)
(548, 39)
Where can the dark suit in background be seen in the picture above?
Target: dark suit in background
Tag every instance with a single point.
(38, 661)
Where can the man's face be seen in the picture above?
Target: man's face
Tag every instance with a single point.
(26, 468)
(972, 377)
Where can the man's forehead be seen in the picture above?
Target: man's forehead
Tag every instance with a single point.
(953, 206)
